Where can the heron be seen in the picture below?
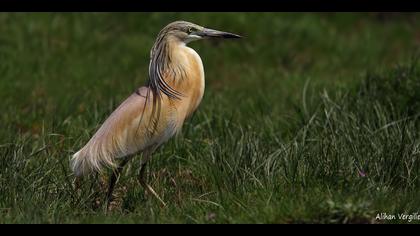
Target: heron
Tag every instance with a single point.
(154, 113)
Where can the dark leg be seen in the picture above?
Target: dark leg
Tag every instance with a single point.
(114, 178)
(145, 159)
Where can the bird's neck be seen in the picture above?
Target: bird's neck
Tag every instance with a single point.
(173, 67)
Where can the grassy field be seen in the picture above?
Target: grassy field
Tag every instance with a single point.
(310, 118)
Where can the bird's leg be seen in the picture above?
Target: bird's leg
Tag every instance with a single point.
(114, 178)
(146, 157)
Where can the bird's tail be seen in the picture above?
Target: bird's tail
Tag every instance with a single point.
(84, 162)
(78, 164)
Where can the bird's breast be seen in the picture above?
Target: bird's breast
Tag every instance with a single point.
(187, 78)
(189, 82)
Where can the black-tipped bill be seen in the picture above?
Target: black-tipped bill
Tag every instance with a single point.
(210, 33)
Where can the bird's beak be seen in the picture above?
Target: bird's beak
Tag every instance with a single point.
(210, 33)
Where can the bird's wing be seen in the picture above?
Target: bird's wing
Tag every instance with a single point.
(127, 122)
(123, 133)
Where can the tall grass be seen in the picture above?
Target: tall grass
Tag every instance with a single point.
(354, 155)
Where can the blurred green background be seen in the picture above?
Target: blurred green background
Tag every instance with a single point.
(60, 64)
(61, 74)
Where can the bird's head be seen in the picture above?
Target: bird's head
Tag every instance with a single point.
(187, 32)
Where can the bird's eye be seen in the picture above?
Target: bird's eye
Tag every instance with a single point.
(190, 30)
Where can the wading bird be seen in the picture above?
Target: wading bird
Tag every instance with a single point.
(153, 113)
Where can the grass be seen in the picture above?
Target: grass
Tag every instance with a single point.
(311, 118)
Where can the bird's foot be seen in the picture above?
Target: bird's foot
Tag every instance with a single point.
(115, 201)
